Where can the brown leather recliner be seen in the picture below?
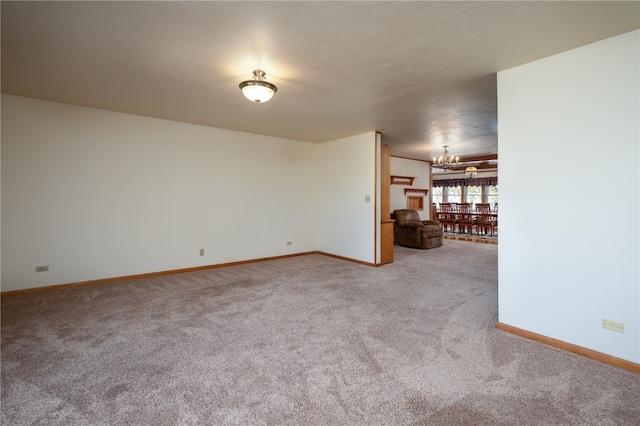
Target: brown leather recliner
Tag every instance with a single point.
(410, 231)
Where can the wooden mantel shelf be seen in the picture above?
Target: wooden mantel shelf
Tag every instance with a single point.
(421, 191)
(402, 180)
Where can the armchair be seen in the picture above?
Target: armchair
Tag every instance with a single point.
(410, 231)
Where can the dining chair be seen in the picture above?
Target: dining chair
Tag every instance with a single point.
(464, 218)
(495, 215)
(484, 218)
(447, 216)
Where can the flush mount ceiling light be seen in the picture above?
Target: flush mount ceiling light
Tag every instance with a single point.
(445, 161)
(258, 90)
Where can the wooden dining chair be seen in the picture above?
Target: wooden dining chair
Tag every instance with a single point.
(464, 218)
(495, 215)
(484, 218)
(447, 216)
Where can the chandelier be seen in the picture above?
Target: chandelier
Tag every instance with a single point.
(258, 90)
(445, 161)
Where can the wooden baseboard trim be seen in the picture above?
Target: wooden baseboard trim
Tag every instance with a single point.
(348, 259)
(569, 347)
(56, 287)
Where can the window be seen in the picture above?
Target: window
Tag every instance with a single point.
(493, 194)
(436, 194)
(474, 194)
(455, 194)
(472, 191)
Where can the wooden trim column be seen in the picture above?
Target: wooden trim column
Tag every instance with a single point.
(386, 224)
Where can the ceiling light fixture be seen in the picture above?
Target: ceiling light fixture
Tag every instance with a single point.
(445, 161)
(471, 171)
(258, 90)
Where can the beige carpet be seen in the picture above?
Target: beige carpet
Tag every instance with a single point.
(309, 340)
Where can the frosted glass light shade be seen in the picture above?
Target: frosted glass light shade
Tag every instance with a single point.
(258, 91)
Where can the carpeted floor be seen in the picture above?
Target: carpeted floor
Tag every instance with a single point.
(310, 340)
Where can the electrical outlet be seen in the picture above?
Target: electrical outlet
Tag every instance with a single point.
(44, 268)
(201, 252)
(613, 325)
(288, 243)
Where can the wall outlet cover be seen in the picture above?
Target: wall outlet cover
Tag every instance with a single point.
(613, 325)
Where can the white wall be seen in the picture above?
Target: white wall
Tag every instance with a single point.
(97, 194)
(417, 169)
(566, 259)
(346, 222)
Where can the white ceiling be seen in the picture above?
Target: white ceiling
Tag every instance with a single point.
(421, 73)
